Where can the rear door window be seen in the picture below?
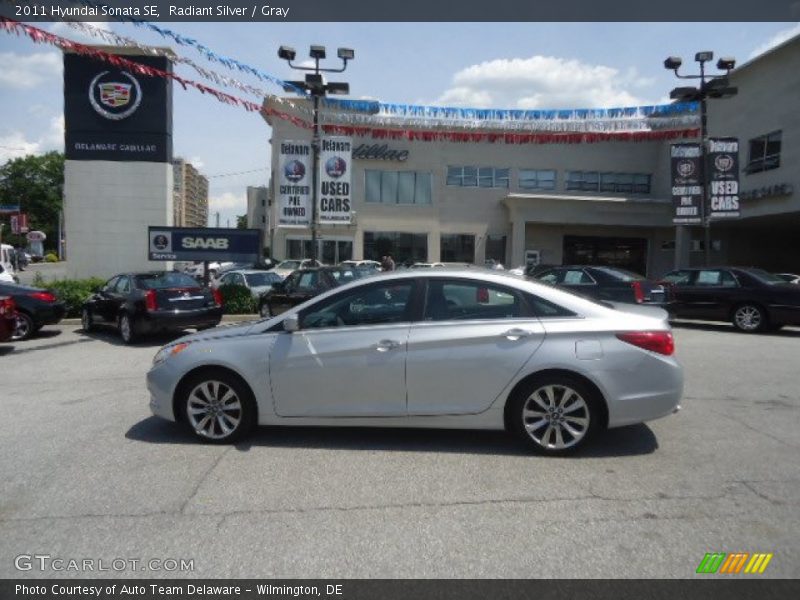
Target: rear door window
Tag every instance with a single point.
(576, 277)
(456, 300)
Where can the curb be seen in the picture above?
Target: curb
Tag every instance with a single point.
(225, 319)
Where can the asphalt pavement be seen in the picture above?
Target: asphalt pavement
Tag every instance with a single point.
(87, 473)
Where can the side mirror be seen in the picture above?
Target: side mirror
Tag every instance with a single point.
(291, 323)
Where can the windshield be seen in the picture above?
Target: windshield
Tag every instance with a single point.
(765, 276)
(261, 279)
(289, 264)
(160, 281)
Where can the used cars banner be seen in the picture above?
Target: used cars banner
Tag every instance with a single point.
(294, 184)
(723, 170)
(687, 186)
(203, 243)
(335, 161)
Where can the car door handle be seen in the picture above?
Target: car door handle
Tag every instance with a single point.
(516, 333)
(386, 345)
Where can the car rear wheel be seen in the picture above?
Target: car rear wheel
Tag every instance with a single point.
(87, 320)
(127, 329)
(219, 408)
(749, 318)
(25, 327)
(555, 414)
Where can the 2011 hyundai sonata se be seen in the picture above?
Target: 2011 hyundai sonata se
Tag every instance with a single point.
(444, 349)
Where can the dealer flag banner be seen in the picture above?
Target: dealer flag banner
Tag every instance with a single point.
(723, 168)
(294, 184)
(335, 162)
(687, 187)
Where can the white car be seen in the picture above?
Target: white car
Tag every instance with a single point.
(6, 276)
(197, 270)
(467, 349)
(361, 264)
(258, 282)
(287, 267)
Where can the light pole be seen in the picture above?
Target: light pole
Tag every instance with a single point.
(317, 88)
(711, 86)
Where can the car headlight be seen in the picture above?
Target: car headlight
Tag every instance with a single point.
(169, 350)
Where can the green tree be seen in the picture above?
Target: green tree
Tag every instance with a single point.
(241, 222)
(36, 183)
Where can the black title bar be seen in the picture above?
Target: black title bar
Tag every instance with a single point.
(407, 10)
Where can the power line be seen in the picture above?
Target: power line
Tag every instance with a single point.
(236, 173)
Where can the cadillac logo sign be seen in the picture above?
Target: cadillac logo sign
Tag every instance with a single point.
(115, 96)
(723, 162)
(294, 171)
(335, 167)
(685, 168)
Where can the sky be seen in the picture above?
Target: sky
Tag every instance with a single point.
(499, 65)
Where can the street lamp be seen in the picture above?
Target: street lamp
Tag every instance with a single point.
(711, 86)
(316, 86)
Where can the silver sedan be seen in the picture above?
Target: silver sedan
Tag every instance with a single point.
(428, 348)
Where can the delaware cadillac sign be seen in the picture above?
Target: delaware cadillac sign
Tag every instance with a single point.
(113, 114)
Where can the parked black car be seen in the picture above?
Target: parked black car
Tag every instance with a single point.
(752, 299)
(35, 308)
(304, 284)
(142, 303)
(607, 283)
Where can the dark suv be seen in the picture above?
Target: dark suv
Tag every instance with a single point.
(304, 284)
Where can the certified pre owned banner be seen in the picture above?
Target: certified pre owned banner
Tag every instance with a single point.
(723, 168)
(687, 187)
(335, 162)
(203, 243)
(294, 184)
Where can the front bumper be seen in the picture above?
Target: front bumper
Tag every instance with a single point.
(161, 383)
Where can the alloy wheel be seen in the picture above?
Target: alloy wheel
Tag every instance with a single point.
(23, 328)
(125, 329)
(214, 410)
(86, 320)
(556, 417)
(265, 311)
(748, 318)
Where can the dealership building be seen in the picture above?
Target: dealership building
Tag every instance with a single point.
(489, 194)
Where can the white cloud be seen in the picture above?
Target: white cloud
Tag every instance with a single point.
(228, 201)
(777, 39)
(543, 82)
(25, 71)
(15, 145)
(197, 162)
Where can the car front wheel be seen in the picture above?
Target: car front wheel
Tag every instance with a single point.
(555, 415)
(219, 408)
(87, 320)
(749, 318)
(264, 310)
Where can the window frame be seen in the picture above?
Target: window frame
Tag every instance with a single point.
(538, 179)
(761, 164)
(421, 180)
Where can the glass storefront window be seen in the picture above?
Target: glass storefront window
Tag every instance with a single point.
(404, 247)
(397, 187)
(455, 247)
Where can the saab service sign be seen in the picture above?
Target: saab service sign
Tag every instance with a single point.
(114, 113)
(204, 243)
(335, 166)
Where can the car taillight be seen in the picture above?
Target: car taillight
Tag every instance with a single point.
(43, 296)
(7, 307)
(638, 293)
(217, 296)
(150, 301)
(655, 341)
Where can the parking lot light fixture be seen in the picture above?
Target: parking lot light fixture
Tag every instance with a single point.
(711, 86)
(316, 87)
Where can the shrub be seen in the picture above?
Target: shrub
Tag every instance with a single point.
(50, 257)
(74, 292)
(237, 300)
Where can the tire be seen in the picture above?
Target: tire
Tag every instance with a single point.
(264, 310)
(127, 328)
(536, 414)
(87, 320)
(25, 327)
(749, 318)
(217, 407)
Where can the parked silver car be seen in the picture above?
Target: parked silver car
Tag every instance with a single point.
(428, 348)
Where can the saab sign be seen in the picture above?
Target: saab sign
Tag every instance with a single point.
(204, 243)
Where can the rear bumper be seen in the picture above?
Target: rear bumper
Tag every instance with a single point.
(50, 314)
(784, 315)
(161, 320)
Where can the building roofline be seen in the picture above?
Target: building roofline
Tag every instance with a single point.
(779, 47)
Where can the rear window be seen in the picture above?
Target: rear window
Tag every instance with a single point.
(159, 281)
(260, 279)
(764, 276)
